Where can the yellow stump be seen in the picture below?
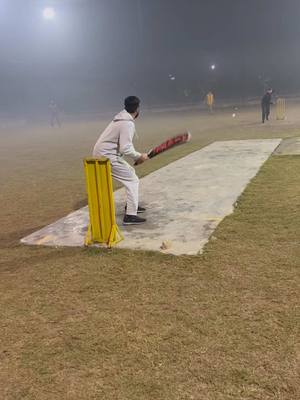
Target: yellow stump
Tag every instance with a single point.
(280, 109)
(102, 227)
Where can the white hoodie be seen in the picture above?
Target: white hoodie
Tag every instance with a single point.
(116, 139)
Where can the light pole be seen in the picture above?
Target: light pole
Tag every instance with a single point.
(212, 80)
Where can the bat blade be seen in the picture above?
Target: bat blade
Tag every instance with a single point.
(169, 144)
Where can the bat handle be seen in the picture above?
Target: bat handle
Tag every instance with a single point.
(137, 163)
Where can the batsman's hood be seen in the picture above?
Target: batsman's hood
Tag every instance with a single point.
(123, 116)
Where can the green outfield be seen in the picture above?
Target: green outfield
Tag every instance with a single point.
(122, 325)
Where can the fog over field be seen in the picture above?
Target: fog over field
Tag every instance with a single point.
(87, 55)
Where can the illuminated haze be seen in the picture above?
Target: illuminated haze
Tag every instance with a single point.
(93, 53)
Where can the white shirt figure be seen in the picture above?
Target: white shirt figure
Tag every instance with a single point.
(115, 142)
(117, 139)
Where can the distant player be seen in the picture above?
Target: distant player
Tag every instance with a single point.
(116, 142)
(54, 114)
(266, 102)
(210, 100)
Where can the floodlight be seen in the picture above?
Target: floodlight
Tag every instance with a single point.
(48, 13)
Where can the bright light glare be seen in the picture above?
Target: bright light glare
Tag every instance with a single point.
(49, 13)
(213, 67)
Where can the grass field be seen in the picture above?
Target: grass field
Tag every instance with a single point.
(97, 324)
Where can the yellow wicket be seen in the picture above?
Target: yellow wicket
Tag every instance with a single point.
(102, 227)
(280, 109)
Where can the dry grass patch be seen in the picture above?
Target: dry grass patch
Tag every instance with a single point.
(90, 324)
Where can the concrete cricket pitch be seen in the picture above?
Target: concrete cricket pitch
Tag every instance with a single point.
(185, 200)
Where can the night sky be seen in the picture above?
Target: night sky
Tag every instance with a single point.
(96, 52)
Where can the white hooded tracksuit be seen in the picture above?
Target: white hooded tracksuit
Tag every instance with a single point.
(114, 143)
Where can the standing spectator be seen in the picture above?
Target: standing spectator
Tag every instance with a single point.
(54, 114)
(266, 102)
(210, 100)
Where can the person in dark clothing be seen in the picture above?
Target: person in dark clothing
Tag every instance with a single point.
(266, 102)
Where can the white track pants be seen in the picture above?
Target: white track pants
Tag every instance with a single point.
(124, 173)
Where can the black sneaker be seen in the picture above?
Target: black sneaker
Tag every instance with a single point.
(133, 220)
(140, 210)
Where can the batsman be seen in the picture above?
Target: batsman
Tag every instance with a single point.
(115, 142)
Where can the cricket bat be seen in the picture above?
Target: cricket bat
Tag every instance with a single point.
(169, 144)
